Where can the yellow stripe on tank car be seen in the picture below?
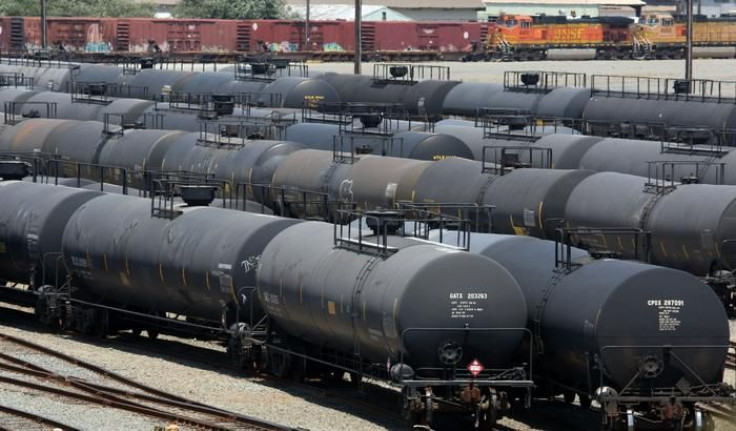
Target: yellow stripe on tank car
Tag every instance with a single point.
(104, 261)
(184, 277)
(161, 272)
(207, 279)
(664, 251)
(684, 251)
(127, 268)
(89, 260)
(331, 307)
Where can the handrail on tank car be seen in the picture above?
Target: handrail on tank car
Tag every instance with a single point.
(15, 80)
(509, 158)
(718, 393)
(164, 186)
(340, 154)
(650, 131)
(640, 87)
(661, 174)
(564, 242)
(283, 199)
(13, 109)
(482, 213)
(380, 246)
(55, 169)
(514, 376)
(542, 81)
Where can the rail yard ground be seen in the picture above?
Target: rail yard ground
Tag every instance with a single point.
(198, 370)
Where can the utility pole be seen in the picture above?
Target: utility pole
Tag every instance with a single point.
(43, 25)
(307, 45)
(689, 53)
(358, 41)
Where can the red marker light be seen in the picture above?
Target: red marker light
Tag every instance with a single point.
(475, 367)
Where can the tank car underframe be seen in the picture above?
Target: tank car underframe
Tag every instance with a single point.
(677, 407)
(486, 396)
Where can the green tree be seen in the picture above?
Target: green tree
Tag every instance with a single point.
(231, 9)
(98, 8)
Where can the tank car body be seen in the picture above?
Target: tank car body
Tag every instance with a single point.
(32, 221)
(691, 225)
(314, 301)
(197, 270)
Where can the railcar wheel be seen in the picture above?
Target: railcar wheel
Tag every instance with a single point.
(585, 401)
(152, 333)
(569, 397)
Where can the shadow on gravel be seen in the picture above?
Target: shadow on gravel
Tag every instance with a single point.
(373, 403)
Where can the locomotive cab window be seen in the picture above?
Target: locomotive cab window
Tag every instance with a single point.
(667, 22)
(510, 22)
(526, 24)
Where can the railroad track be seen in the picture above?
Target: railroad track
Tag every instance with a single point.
(14, 419)
(112, 390)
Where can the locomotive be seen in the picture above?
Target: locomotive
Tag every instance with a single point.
(656, 36)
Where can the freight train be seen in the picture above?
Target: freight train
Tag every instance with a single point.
(426, 310)
(106, 38)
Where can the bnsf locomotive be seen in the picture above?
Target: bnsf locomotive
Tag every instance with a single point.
(519, 37)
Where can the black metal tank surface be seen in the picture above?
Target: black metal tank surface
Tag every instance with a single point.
(532, 201)
(156, 82)
(32, 220)
(602, 322)
(563, 102)
(428, 146)
(405, 304)
(139, 150)
(30, 135)
(292, 92)
(427, 97)
(668, 113)
(254, 164)
(200, 263)
(467, 97)
(692, 226)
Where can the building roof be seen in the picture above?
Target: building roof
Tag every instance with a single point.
(491, 3)
(400, 4)
(346, 12)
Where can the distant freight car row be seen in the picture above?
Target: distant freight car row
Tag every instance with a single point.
(187, 36)
(511, 37)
